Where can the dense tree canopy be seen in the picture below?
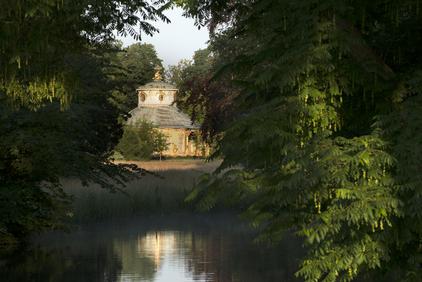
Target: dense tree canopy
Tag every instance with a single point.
(36, 36)
(56, 119)
(208, 101)
(188, 73)
(325, 136)
(133, 66)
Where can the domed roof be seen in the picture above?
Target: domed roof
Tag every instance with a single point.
(154, 85)
(159, 108)
(162, 116)
(157, 82)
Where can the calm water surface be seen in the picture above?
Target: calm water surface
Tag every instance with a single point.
(169, 249)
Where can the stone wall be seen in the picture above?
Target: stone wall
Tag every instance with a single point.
(181, 143)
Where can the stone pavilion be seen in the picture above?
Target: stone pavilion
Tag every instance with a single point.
(156, 104)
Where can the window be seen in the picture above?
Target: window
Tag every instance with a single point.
(192, 137)
(161, 97)
(142, 97)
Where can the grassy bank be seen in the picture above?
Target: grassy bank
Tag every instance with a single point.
(150, 194)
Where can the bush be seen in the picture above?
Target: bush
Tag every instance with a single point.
(141, 141)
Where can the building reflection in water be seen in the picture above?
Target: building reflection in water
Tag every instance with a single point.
(195, 256)
(156, 245)
(212, 250)
(163, 256)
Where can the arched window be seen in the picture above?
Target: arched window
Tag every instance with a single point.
(192, 137)
(142, 97)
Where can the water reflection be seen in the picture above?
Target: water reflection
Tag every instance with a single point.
(171, 249)
(66, 264)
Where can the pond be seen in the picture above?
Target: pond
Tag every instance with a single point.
(174, 248)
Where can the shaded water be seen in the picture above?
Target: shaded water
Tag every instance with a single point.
(171, 249)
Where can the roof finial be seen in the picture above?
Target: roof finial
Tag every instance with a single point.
(157, 75)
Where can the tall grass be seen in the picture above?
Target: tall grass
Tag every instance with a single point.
(148, 195)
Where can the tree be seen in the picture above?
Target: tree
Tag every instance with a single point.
(141, 141)
(133, 67)
(30, 55)
(56, 119)
(317, 139)
(186, 73)
(206, 100)
(39, 147)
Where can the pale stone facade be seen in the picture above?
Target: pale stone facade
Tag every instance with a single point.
(156, 104)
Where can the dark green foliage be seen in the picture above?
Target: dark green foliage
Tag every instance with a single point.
(36, 36)
(141, 141)
(132, 67)
(403, 128)
(208, 101)
(37, 148)
(326, 135)
(55, 116)
(190, 74)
